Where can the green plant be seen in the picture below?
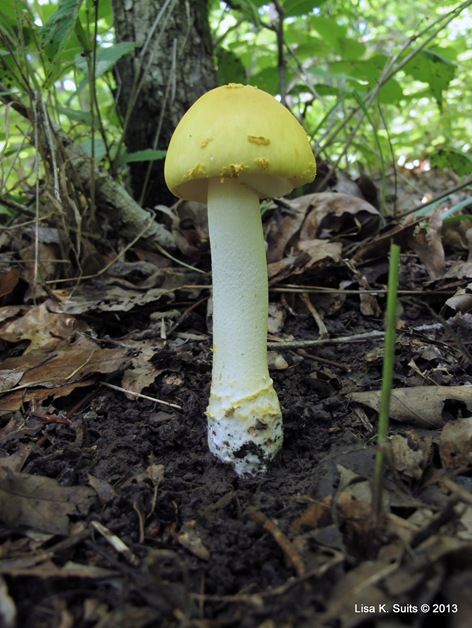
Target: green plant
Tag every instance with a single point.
(371, 82)
(387, 379)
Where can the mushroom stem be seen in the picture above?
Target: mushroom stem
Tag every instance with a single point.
(244, 417)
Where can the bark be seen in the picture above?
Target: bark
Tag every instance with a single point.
(171, 67)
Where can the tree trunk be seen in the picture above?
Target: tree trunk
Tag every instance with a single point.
(172, 65)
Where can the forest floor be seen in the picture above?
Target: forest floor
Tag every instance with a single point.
(114, 512)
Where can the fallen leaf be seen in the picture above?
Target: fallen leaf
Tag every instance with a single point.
(43, 328)
(41, 503)
(332, 214)
(422, 406)
(40, 261)
(426, 241)
(462, 300)
(48, 569)
(312, 254)
(8, 280)
(69, 362)
(106, 296)
(455, 444)
(317, 515)
(105, 491)
(319, 216)
(10, 311)
(188, 537)
(190, 229)
(141, 372)
(411, 453)
(11, 402)
(8, 615)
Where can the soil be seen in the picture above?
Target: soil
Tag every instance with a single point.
(115, 514)
(191, 544)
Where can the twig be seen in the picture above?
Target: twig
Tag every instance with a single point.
(281, 65)
(288, 548)
(301, 344)
(141, 396)
(316, 315)
(339, 365)
(8, 202)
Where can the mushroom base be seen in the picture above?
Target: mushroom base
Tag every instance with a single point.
(245, 432)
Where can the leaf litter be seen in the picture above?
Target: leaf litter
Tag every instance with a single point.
(113, 511)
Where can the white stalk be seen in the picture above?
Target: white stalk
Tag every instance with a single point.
(244, 417)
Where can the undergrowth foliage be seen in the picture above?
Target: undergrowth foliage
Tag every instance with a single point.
(368, 90)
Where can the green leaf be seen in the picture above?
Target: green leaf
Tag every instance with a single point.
(99, 145)
(267, 79)
(248, 9)
(430, 67)
(10, 13)
(5, 211)
(350, 49)
(329, 29)
(297, 8)
(326, 90)
(391, 92)
(106, 57)
(147, 154)
(230, 68)
(368, 70)
(78, 115)
(58, 28)
(450, 157)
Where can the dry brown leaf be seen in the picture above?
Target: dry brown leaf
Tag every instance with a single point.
(105, 491)
(8, 280)
(462, 300)
(8, 312)
(8, 616)
(68, 363)
(10, 402)
(359, 596)
(41, 326)
(190, 228)
(41, 503)
(333, 214)
(317, 515)
(153, 473)
(318, 216)
(188, 537)
(421, 406)
(141, 373)
(110, 299)
(283, 225)
(115, 294)
(49, 569)
(317, 254)
(277, 317)
(427, 243)
(455, 444)
(40, 261)
(411, 453)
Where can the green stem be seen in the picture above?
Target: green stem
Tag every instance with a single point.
(387, 378)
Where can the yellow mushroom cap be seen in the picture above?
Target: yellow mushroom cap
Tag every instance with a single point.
(238, 131)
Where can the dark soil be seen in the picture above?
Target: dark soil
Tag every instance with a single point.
(206, 548)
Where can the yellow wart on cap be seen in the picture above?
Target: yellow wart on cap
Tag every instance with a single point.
(204, 143)
(199, 170)
(233, 171)
(262, 163)
(258, 139)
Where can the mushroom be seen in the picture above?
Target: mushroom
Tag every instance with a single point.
(234, 146)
